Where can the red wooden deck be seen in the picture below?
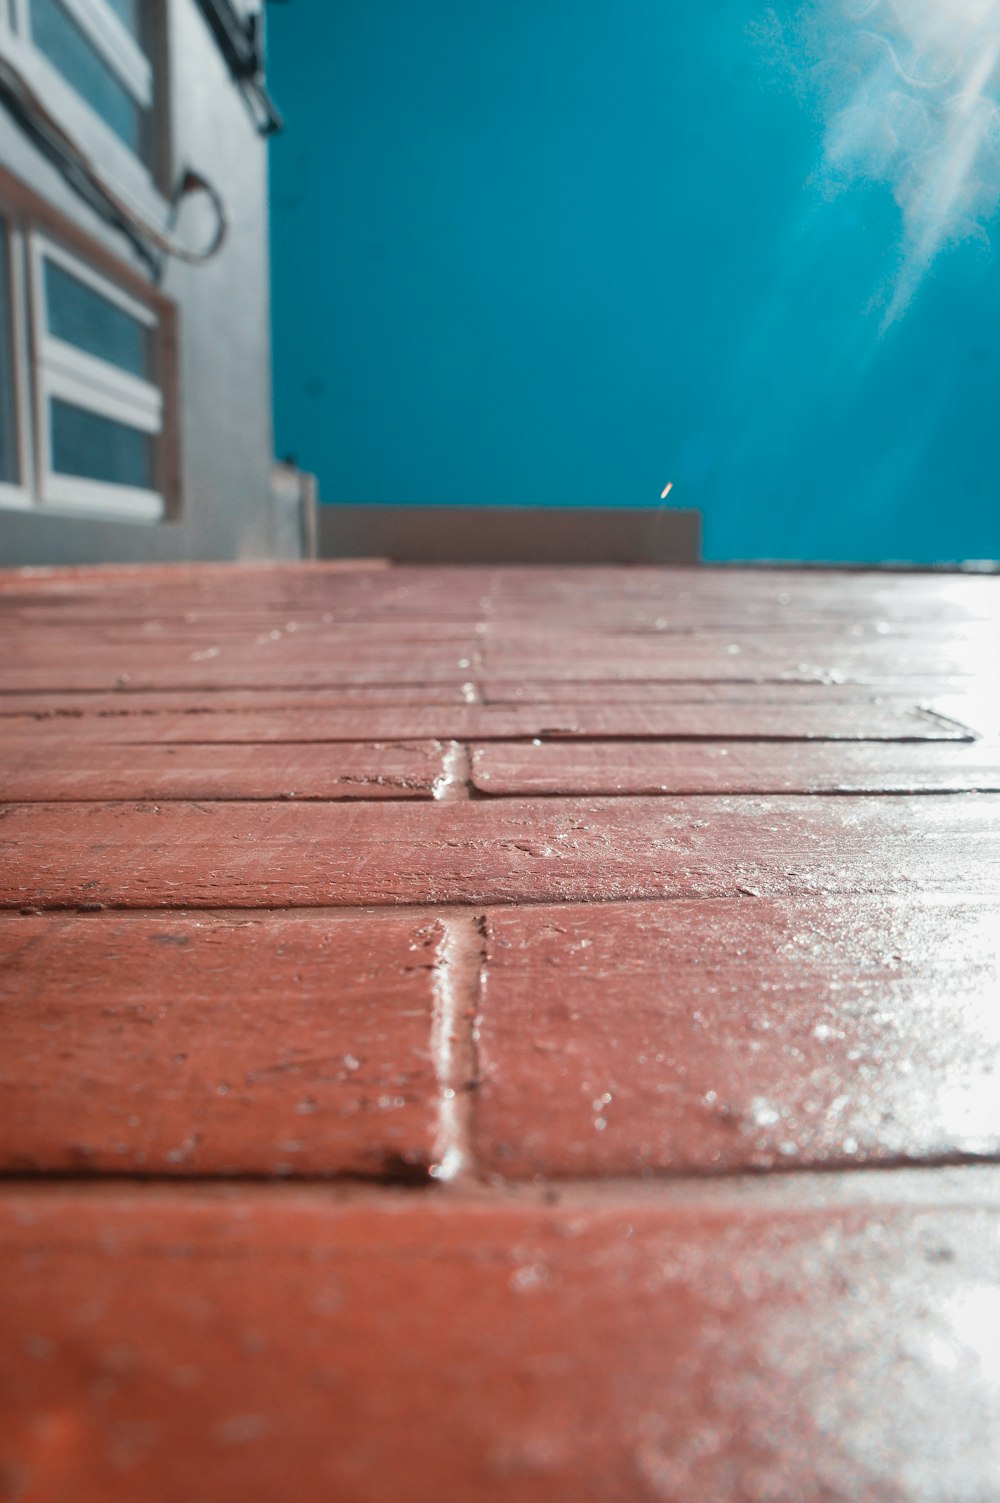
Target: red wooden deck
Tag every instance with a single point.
(493, 1034)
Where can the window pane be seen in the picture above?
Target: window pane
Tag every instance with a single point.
(127, 12)
(97, 448)
(8, 442)
(57, 35)
(81, 316)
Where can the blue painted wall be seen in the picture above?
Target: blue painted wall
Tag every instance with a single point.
(563, 251)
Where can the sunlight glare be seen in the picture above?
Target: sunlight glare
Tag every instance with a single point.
(910, 90)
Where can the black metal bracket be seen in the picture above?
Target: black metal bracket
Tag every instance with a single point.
(241, 42)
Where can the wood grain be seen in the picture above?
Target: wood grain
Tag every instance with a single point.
(805, 722)
(511, 850)
(740, 1034)
(506, 769)
(35, 768)
(218, 1044)
(265, 1345)
(675, 922)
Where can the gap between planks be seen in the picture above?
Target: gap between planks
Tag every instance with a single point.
(454, 782)
(967, 1181)
(459, 982)
(452, 905)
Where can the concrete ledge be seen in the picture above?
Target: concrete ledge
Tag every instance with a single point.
(510, 534)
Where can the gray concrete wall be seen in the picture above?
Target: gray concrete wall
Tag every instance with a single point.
(227, 509)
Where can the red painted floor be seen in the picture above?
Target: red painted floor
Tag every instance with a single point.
(499, 1034)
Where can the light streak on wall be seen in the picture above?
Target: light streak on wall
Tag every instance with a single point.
(908, 92)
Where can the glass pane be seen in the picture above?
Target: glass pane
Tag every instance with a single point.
(81, 316)
(67, 47)
(97, 448)
(127, 12)
(8, 432)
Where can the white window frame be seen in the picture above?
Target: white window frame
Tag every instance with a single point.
(19, 494)
(72, 375)
(119, 49)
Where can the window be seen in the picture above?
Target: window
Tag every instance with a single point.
(58, 33)
(99, 411)
(87, 60)
(8, 432)
(13, 455)
(93, 390)
(127, 12)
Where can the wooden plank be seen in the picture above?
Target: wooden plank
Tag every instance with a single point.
(504, 768)
(39, 769)
(784, 692)
(436, 594)
(312, 665)
(975, 698)
(550, 634)
(162, 616)
(509, 850)
(696, 720)
(166, 1345)
(69, 704)
(795, 656)
(73, 660)
(59, 660)
(736, 1035)
(214, 1044)
(631, 598)
(231, 633)
(742, 596)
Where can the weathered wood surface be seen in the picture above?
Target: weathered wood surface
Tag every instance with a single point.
(886, 689)
(739, 1034)
(210, 667)
(622, 599)
(605, 692)
(36, 768)
(803, 656)
(506, 769)
(510, 850)
(74, 704)
(218, 1044)
(273, 1345)
(807, 722)
(71, 661)
(643, 911)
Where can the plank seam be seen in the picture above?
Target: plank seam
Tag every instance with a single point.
(458, 983)
(454, 781)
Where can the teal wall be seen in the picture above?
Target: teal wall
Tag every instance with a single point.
(563, 251)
